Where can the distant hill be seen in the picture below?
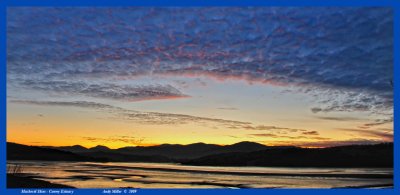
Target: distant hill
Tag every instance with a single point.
(379, 155)
(95, 154)
(74, 148)
(24, 152)
(99, 148)
(170, 151)
(79, 148)
(118, 157)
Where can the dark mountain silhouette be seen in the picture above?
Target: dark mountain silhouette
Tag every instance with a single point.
(247, 146)
(79, 148)
(175, 151)
(99, 148)
(115, 156)
(379, 155)
(74, 148)
(23, 152)
(172, 151)
(95, 154)
(239, 154)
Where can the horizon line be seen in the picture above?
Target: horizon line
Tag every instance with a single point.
(145, 146)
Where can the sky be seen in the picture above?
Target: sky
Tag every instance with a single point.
(141, 76)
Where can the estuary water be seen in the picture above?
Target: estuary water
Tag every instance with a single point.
(164, 175)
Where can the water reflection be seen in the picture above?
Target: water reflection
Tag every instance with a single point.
(158, 175)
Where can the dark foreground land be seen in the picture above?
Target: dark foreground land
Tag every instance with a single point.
(354, 156)
(14, 181)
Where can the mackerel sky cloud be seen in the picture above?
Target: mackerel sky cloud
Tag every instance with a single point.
(340, 58)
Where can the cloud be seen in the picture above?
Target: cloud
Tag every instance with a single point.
(377, 134)
(80, 104)
(276, 136)
(338, 118)
(153, 118)
(106, 90)
(333, 53)
(378, 122)
(282, 135)
(227, 108)
(112, 139)
(310, 133)
(316, 110)
(271, 135)
(158, 118)
(360, 100)
(272, 128)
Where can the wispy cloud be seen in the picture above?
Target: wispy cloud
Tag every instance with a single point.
(157, 118)
(339, 118)
(227, 108)
(112, 139)
(272, 128)
(105, 90)
(310, 133)
(154, 118)
(356, 100)
(376, 133)
(285, 137)
(378, 122)
(80, 104)
(294, 135)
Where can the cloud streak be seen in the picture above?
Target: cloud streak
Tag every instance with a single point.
(377, 134)
(79, 104)
(106, 90)
(338, 118)
(153, 118)
(378, 122)
(158, 118)
(112, 139)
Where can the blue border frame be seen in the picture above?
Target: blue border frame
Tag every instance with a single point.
(395, 4)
